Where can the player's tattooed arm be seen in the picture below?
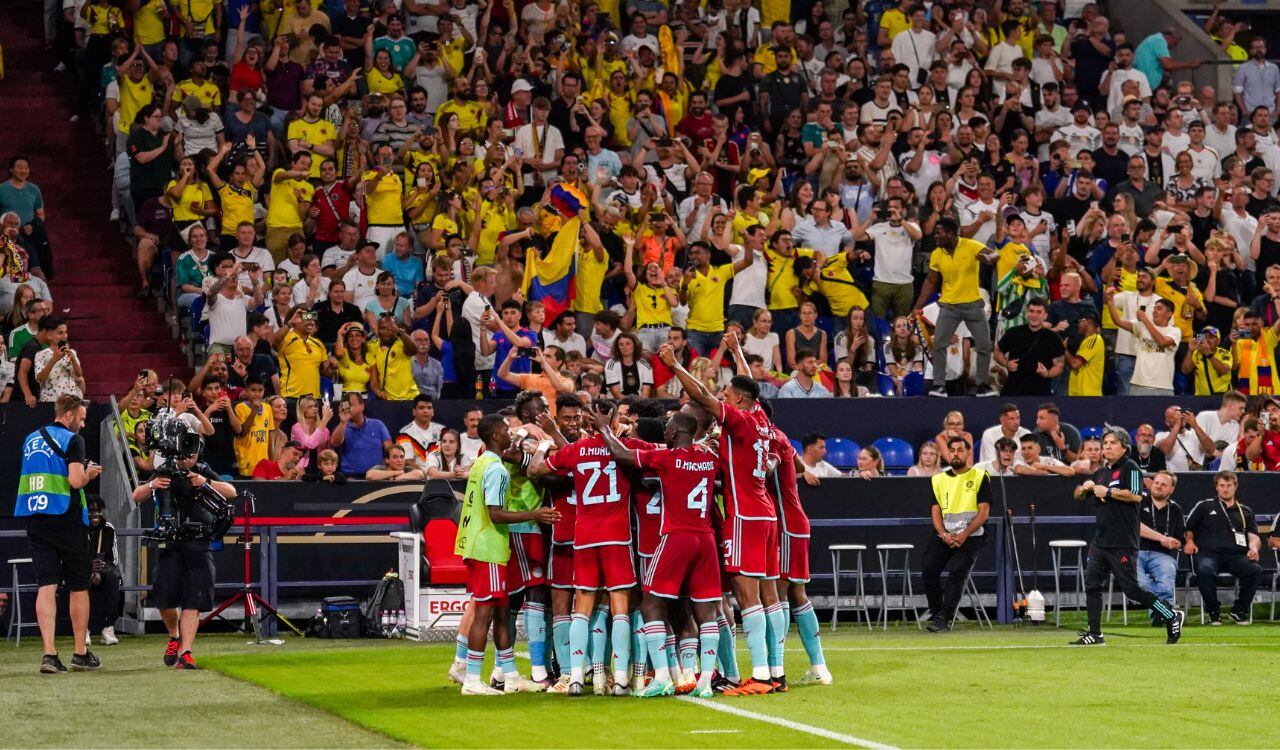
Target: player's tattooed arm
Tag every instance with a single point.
(621, 453)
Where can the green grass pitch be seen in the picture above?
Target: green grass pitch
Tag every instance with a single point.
(1014, 687)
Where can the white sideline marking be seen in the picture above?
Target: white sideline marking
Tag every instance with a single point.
(1029, 646)
(714, 731)
(848, 739)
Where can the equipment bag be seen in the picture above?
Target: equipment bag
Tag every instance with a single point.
(388, 596)
(339, 618)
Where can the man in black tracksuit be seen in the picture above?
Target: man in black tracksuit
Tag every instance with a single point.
(1116, 489)
(1223, 535)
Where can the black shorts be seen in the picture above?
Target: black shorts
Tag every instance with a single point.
(60, 553)
(183, 577)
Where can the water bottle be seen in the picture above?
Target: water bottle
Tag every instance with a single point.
(479, 388)
(401, 624)
(386, 623)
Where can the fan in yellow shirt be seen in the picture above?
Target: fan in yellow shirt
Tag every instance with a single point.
(239, 192)
(391, 352)
(288, 203)
(313, 133)
(206, 91)
(150, 20)
(136, 90)
(1086, 362)
(190, 196)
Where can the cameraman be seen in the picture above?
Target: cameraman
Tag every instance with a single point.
(184, 569)
(51, 496)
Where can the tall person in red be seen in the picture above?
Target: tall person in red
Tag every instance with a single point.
(601, 548)
(686, 560)
(751, 521)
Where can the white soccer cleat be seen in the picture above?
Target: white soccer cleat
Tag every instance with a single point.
(109, 636)
(638, 682)
(476, 687)
(561, 686)
(458, 672)
(517, 683)
(818, 675)
(601, 684)
(685, 683)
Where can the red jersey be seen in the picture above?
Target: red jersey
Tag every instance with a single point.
(334, 204)
(784, 487)
(565, 500)
(688, 478)
(602, 489)
(745, 440)
(648, 512)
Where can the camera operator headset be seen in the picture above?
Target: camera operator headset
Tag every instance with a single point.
(184, 574)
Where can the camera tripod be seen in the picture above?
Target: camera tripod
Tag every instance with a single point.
(252, 601)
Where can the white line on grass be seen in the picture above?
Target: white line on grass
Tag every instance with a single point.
(714, 731)
(1015, 648)
(847, 739)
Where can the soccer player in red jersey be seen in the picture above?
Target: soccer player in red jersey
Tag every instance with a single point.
(686, 559)
(566, 429)
(601, 548)
(751, 521)
(794, 557)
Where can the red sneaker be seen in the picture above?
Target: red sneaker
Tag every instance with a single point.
(186, 662)
(171, 652)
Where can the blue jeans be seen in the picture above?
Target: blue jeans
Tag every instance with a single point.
(1157, 573)
(1124, 373)
(705, 343)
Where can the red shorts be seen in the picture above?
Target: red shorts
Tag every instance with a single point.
(562, 566)
(528, 564)
(644, 563)
(487, 582)
(607, 566)
(685, 563)
(751, 547)
(794, 558)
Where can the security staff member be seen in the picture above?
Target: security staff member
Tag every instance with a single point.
(1116, 489)
(962, 496)
(51, 498)
(184, 574)
(1162, 528)
(1223, 536)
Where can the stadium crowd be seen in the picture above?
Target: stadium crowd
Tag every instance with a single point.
(465, 200)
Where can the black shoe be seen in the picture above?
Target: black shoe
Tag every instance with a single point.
(171, 652)
(51, 664)
(1174, 626)
(1215, 618)
(86, 662)
(1239, 618)
(186, 661)
(720, 683)
(937, 626)
(575, 689)
(1090, 639)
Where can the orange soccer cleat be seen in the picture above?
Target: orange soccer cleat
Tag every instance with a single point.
(752, 687)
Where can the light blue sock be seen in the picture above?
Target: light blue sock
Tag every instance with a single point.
(535, 626)
(669, 646)
(786, 615)
(506, 660)
(807, 624)
(639, 649)
(475, 660)
(620, 635)
(460, 647)
(579, 639)
(599, 638)
(708, 641)
(560, 625)
(654, 635)
(689, 653)
(755, 626)
(776, 635)
(727, 651)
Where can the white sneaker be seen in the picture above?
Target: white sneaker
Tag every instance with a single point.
(476, 687)
(88, 640)
(458, 672)
(115, 215)
(109, 636)
(75, 118)
(517, 683)
(60, 68)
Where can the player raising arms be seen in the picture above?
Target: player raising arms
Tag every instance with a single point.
(686, 559)
(601, 548)
(751, 523)
(484, 545)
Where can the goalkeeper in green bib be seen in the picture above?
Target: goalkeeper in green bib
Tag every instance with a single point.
(483, 542)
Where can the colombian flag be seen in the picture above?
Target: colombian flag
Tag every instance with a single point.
(568, 200)
(549, 280)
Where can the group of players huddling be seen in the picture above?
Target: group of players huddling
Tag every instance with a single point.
(607, 518)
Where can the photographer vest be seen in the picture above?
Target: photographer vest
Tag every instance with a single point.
(479, 538)
(44, 487)
(957, 497)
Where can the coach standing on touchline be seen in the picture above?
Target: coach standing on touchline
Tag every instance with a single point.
(1117, 491)
(51, 496)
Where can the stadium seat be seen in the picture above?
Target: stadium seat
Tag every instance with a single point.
(898, 455)
(913, 384)
(443, 566)
(884, 384)
(1090, 432)
(797, 445)
(842, 452)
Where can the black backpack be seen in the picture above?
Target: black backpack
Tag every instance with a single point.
(387, 596)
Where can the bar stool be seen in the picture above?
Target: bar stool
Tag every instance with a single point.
(979, 614)
(1057, 547)
(16, 623)
(886, 552)
(1124, 600)
(860, 610)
